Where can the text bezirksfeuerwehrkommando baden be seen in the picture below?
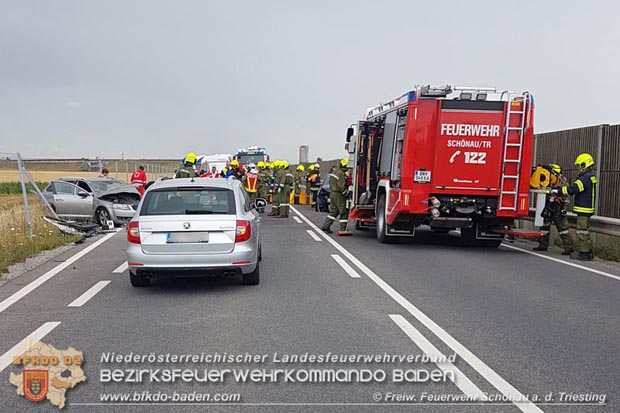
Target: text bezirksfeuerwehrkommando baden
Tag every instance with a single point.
(220, 358)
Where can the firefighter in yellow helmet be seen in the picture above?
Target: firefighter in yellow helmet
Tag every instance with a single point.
(188, 169)
(298, 177)
(337, 197)
(275, 196)
(584, 190)
(285, 182)
(313, 183)
(555, 213)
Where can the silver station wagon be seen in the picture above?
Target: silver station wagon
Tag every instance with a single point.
(194, 227)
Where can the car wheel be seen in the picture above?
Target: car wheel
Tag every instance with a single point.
(252, 278)
(138, 281)
(260, 252)
(381, 223)
(102, 218)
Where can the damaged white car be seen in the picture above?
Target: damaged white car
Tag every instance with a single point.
(93, 199)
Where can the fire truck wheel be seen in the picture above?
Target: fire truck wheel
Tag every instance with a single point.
(381, 223)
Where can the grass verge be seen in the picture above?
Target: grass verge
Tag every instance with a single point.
(14, 243)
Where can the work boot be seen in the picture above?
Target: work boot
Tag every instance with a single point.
(581, 256)
(539, 248)
(568, 251)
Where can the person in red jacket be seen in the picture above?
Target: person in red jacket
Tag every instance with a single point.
(139, 179)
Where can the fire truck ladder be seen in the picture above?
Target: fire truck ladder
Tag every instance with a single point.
(509, 186)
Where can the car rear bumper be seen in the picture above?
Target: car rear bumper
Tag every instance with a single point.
(242, 260)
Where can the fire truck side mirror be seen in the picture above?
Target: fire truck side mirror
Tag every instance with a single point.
(350, 133)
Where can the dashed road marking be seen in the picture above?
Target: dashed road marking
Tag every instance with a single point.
(345, 266)
(36, 283)
(121, 268)
(313, 235)
(38, 334)
(90, 293)
(483, 369)
(296, 218)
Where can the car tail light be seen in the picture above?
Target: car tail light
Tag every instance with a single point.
(133, 232)
(244, 231)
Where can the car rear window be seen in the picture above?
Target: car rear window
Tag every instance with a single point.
(188, 201)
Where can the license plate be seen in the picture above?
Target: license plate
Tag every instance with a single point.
(187, 237)
(422, 176)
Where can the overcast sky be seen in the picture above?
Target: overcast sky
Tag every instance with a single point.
(160, 78)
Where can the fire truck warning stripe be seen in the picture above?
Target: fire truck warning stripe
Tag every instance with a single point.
(460, 379)
(90, 293)
(38, 334)
(482, 368)
(36, 283)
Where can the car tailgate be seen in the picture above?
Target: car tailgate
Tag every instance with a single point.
(188, 234)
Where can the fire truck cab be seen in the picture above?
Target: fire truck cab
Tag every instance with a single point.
(447, 157)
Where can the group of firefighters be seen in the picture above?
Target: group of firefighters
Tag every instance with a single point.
(274, 180)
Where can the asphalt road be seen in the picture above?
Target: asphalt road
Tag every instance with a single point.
(518, 325)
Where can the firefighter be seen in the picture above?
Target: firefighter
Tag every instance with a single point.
(275, 193)
(298, 177)
(263, 180)
(188, 169)
(250, 181)
(555, 213)
(314, 181)
(337, 197)
(138, 179)
(584, 190)
(285, 186)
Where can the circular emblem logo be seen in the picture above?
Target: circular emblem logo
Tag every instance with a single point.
(186, 225)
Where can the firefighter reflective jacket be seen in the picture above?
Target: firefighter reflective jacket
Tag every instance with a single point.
(251, 182)
(584, 189)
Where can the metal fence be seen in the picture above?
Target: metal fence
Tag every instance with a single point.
(603, 142)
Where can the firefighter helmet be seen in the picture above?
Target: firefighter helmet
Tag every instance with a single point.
(268, 165)
(284, 165)
(191, 158)
(311, 167)
(584, 161)
(300, 168)
(344, 162)
(234, 162)
(260, 165)
(556, 168)
(317, 166)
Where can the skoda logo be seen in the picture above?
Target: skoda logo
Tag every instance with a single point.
(186, 225)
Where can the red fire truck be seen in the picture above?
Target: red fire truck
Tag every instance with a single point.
(447, 157)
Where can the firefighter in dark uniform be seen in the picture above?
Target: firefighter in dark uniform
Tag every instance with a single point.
(314, 181)
(555, 213)
(285, 186)
(187, 170)
(299, 176)
(337, 198)
(275, 198)
(584, 190)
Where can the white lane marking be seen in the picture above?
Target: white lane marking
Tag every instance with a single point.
(345, 266)
(571, 264)
(121, 268)
(296, 218)
(460, 379)
(38, 334)
(485, 371)
(90, 293)
(313, 235)
(34, 284)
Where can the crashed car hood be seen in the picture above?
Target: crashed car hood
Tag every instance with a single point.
(125, 190)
